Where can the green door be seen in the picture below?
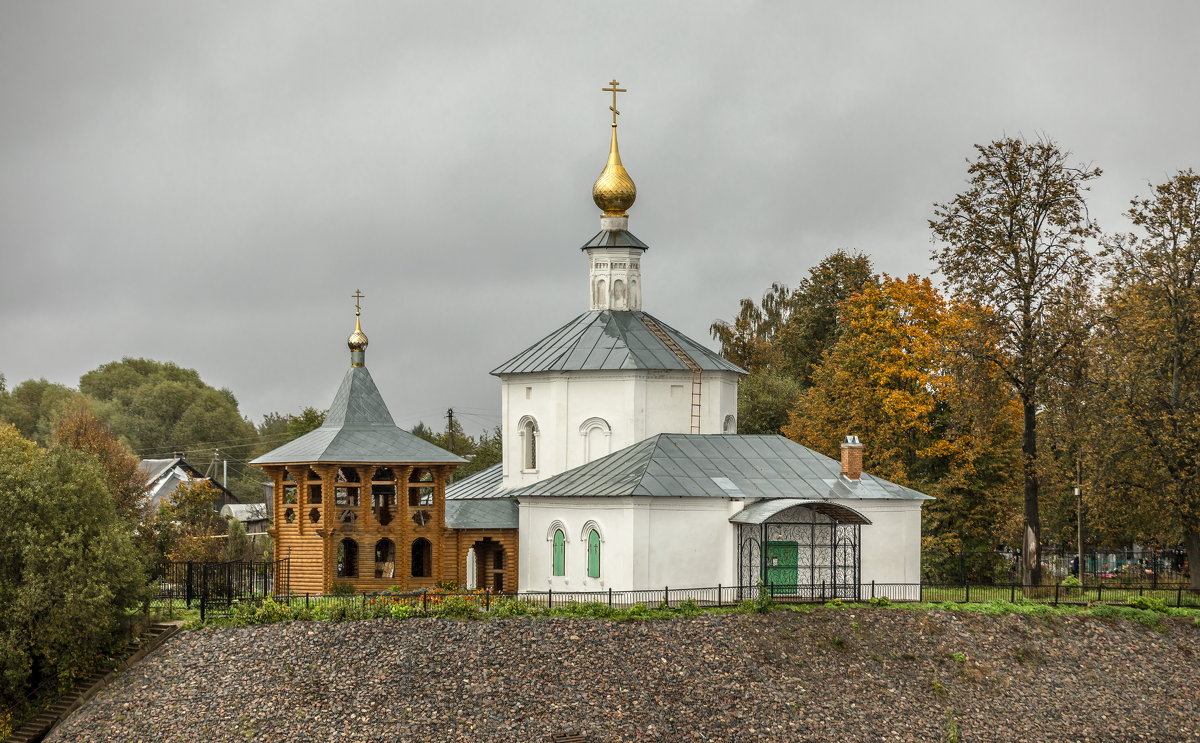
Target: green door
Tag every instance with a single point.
(781, 560)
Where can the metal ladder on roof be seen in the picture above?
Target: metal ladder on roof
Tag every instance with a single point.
(688, 361)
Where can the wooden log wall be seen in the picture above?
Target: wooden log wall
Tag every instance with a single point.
(308, 533)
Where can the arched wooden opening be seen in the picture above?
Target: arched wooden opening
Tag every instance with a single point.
(347, 558)
(385, 558)
(490, 565)
(422, 558)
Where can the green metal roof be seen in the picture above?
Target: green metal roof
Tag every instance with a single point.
(611, 340)
(614, 239)
(358, 428)
(492, 513)
(718, 466)
(483, 484)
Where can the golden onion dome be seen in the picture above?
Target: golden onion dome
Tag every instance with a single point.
(614, 191)
(358, 339)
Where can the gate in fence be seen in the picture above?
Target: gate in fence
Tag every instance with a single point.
(218, 584)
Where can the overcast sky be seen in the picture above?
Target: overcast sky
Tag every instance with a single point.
(208, 182)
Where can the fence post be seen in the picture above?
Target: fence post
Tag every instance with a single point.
(188, 591)
(610, 596)
(967, 598)
(1099, 590)
(425, 604)
(1056, 594)
(1012, 593)
(872, 588)
(822, 590)
(667, 596)
(719, 594)
(1179, 595)
(306, 601)
(550, 598)
(921, 592)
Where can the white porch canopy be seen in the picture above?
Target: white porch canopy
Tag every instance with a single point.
(759, 512)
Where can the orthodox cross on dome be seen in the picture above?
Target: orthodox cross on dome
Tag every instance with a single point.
(358, 339)
(614, 90)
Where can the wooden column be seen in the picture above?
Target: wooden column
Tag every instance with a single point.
(404, 530)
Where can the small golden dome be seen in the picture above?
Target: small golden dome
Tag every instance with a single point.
(614, 191)
(358, 339)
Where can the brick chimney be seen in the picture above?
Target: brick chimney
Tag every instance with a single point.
(851, 458)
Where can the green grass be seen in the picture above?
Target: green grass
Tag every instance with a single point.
(1149, 612)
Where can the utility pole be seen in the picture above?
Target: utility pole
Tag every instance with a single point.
(450, 428)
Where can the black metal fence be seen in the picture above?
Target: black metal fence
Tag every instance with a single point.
(432, 601)
(1127, 567)
(208, 585)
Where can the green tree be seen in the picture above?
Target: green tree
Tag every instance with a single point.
(764, 399)
(1013, 242)
(1149, 442)
(931, 417)
(32, 406)
(237, 542)
(789, 329)
(80, 430)
(69, 568)
(188, 525)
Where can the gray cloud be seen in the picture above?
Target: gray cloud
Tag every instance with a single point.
(208, 182)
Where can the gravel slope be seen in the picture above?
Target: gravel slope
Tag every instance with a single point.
(831, 675)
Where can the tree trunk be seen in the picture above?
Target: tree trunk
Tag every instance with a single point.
(1191, 541)
(1031, 551)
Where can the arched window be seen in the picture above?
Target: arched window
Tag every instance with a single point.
(347, 558)
(422, 558)
(618, 292)
(601, 294)
(559, 553)
(597, 438)
(529, 436)
(385, 559)
(730, 425)
(593, 553)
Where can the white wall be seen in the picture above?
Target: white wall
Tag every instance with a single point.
(891, 543)
(648, 543)
(635, 404)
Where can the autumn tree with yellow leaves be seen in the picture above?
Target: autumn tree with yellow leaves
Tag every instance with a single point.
(906, 375)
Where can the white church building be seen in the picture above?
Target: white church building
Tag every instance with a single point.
(622, 467)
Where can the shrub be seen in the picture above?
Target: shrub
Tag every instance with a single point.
(688, 608)
(835, 604)
(404, 611)
(1071, 582)
(69, 567)
(1148, 603)
(457, 607)
(881, 601)
(515, 608)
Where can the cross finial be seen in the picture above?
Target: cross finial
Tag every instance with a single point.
(357, 295)
(614, 90)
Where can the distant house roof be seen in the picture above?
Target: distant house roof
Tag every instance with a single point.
(358, 428)
(165, 475)
(245, 512)
(719, 466)
(612, 340)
